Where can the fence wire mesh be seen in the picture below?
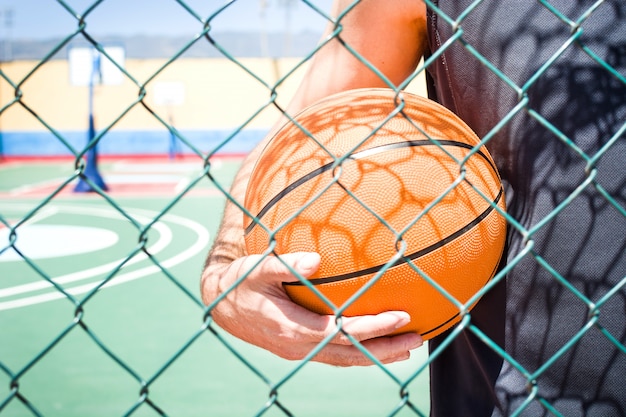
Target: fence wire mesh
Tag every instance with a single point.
(16, 395)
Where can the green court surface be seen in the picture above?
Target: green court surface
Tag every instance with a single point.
(135, 346)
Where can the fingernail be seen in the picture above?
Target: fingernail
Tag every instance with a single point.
(308, 262)
(402, 317)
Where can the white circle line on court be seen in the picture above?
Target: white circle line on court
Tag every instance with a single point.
(202, 240)
(165, 237)
(164, 240)
(47, 241)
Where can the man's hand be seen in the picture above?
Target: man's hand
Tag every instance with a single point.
(259, 311)
(392, 37)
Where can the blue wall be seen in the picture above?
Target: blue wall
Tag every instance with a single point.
(133, 142)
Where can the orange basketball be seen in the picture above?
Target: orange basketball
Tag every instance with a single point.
(394, 192)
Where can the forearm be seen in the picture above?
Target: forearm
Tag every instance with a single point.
(333, 69)
(229, 242)
(391, 37)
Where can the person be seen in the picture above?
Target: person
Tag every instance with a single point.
(551, 107)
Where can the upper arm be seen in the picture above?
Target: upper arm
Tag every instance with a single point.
(389, 34)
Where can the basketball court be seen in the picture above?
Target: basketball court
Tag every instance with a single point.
(94, 326)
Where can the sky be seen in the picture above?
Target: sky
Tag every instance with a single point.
(46, 19)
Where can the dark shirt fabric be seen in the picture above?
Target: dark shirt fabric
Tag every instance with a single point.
(559, 140)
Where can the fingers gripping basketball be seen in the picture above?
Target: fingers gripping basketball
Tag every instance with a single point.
(403, 196)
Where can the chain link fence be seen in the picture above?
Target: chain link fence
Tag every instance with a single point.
(16, 395)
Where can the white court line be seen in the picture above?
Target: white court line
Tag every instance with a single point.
(41, 214)
(181, 185)
(135, 179)
(201, 242)
(49, 241)
(164, 240)
(181, 167)
(165, 234)
(24, 189)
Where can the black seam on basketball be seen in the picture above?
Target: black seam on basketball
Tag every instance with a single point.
(359, 155)
(493, 274)
(412, 256)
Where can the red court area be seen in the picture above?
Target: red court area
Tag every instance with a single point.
(135, 176)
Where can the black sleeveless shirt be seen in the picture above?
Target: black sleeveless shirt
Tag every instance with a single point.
(554, 115)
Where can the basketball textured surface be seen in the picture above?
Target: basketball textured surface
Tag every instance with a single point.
(374, 181)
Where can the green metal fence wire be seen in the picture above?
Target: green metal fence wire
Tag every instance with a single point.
(275, 401)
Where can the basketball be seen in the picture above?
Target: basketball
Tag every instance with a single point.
(396, 194)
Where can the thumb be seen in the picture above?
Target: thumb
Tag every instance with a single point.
(304, 263)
